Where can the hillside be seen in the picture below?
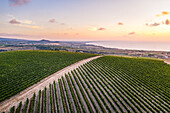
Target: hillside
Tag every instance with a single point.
(106, 84)
(21, 69)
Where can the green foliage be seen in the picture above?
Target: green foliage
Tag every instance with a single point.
(26, 105)
(12, 109)
(83, 93)
(154, 74)
(21, 69)
(51, 100)
(45, 99)
(78, 95)
(55, 90)
(39, 100)
(19, 107)
(32, 103)
(92, 90)
(62, 96)
(69, 102)
(73, 94)
(135, 88)
(115, 84)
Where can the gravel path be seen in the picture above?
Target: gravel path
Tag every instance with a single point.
(14, 100)
(168, 62)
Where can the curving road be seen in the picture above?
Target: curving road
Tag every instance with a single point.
(28, 93)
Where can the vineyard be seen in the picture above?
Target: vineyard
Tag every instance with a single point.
(21, 69)
(107, 84)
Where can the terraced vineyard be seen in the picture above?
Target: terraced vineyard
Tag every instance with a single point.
(107, 84)
(21, 69)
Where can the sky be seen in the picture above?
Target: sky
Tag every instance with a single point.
(86, 20)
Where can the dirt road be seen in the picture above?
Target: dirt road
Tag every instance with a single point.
(28, 93)
(168, 62)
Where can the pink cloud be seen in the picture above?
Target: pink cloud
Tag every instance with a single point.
(18, 2)
(52, 20)
(101, 28)
(120, 23)
(167, 22)
(13, 21)
(153, 24)
(132, 33)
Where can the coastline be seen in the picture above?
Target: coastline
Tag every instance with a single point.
(132, 45)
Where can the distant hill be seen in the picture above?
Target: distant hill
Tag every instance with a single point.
(48, 41)
(10, 40)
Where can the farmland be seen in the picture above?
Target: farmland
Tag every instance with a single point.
(106, 84)
(21, 69)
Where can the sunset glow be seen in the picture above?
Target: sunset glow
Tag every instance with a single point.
(129, 20)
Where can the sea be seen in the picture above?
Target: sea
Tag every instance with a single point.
(134, 45)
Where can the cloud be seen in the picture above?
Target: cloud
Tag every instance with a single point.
(30, 26)
(167, 22)
(153, 24)
(26, 22)
(52, 21)
(158, 15)
(101, 28)
(163, 13)
(120, 23)
(13, 21)
(91, 28)
(131, 33)
(18, 2)
(163, 22)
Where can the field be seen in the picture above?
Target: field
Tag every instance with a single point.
(21, 69)
(107, 84)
